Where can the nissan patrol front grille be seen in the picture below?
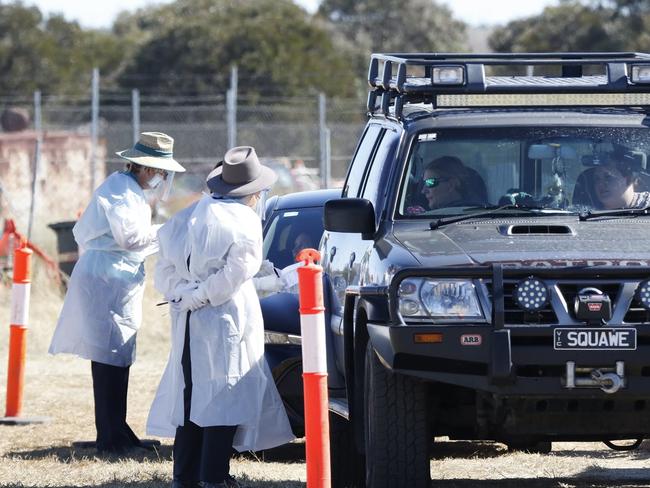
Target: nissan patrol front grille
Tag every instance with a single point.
(561, 305)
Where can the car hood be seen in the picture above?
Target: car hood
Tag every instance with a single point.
(535, 242)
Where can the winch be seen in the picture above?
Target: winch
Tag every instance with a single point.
(609, 380)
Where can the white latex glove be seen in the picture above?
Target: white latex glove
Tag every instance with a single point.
(189, 300)
(177, 293)
(266, 268)
(268, 284)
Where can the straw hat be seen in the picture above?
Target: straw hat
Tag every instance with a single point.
(240, 174)
(155, 150)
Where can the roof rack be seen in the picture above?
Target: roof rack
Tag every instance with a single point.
(399, 78)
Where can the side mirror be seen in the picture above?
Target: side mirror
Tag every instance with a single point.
(352, 215)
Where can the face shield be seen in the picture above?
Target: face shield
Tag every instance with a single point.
(165, 188)
(260, 208)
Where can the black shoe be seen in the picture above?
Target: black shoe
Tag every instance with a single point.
(231, 482)
(185, 484)
(207, 484)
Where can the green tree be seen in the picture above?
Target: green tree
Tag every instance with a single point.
(396, 25)
(50, 54)
(190, 45)
(600, 25)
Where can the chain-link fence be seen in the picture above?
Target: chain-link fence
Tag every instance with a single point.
(288, 133)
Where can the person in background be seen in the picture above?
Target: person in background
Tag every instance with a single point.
(217, 391)
(614, 186)
(302, 241)
(102, 310)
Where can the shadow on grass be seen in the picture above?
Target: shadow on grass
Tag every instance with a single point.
(293, 452)
(160, 483)
(467, 450)
(538, 483)
(67, 454)
(458, 483)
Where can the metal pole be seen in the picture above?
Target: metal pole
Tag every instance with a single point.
(135, 107)
(37, 159)
(94, 127)
(231, 101)
(328, 157)
(324, 138)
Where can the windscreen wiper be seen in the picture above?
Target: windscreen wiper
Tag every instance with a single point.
(589, 214)
(489, 212)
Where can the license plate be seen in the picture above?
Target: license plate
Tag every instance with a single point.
(596, 339)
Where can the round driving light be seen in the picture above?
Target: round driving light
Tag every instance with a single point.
(531, 294)
(408, 307)
(407, 288)
(643, 294)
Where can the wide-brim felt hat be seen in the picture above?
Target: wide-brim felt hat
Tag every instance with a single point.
(241, 174)
(155, 150)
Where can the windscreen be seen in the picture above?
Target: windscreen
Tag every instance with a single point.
(457, 171)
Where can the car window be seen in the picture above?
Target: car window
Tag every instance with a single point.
(385, 151)
(360, 161)
(289, 231)
(551, 168)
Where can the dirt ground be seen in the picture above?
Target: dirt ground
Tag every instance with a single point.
(41, 455)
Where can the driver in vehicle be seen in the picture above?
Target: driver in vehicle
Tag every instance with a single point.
(447, 182)
(614, 186)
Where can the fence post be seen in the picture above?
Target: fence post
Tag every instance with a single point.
(135, 109)
(314, 370)
(37, 159)
(324, 138)
(94, 121)
(231, 107)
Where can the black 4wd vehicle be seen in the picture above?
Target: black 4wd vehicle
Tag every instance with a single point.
(488, 262)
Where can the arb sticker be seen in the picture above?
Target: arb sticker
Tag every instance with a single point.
(471, 340)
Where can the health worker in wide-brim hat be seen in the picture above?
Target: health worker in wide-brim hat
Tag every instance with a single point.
(102, 310)
(151, 159)
(217, 391)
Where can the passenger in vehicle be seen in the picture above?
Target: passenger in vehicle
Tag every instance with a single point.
(303, 241)
(447, 182)
(614, 185)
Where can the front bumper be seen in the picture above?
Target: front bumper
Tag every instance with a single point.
(516, 359)
(519, 362)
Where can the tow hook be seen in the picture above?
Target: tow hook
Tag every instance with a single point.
(609, 380)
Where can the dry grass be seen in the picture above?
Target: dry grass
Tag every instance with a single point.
(60, 388)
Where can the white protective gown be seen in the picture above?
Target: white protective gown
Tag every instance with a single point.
(232, 383)
(102, 310)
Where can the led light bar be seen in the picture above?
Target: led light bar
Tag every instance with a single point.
(543, 99)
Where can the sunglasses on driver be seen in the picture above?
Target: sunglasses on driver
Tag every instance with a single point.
(434, 181)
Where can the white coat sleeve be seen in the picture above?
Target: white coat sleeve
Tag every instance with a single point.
(165, 277)
(243, 260)
(131, 230)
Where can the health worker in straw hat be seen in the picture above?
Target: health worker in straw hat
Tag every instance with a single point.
(102, 309)
(217, 391)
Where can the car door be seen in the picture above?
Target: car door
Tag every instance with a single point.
(345, 252)
(334, 245)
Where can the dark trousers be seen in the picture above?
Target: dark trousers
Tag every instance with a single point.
(200, 453)
(110, 385)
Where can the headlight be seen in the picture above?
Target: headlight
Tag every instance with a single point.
(439, 299)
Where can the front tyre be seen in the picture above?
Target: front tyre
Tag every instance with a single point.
(397, 434)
